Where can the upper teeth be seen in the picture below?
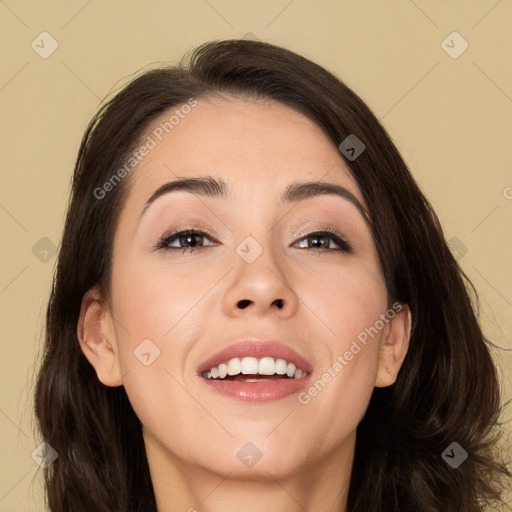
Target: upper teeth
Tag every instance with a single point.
(253, 365)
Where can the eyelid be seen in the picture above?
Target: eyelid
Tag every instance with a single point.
(322, 225)
(317, 229)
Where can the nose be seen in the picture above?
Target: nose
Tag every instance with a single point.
(261, 287)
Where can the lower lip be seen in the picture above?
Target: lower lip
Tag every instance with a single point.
(263, 391)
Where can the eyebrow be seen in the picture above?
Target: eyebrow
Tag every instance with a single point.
(208, 186)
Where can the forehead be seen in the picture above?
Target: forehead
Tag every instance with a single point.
(257, 147)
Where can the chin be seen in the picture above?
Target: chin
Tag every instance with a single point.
(247, 460)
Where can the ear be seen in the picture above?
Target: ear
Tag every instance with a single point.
(393, 346)
(96, 336)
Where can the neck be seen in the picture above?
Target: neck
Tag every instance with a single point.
(184, 487)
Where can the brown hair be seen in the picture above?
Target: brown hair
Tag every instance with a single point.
(447, 390)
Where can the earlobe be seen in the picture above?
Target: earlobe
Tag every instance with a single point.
(96, 335)
(393, 347)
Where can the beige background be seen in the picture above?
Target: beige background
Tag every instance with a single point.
(450, 117)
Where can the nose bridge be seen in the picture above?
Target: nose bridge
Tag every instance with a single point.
(256, 230)
(260, 280)
(260, 254)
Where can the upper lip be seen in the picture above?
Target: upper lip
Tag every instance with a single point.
(256, 348)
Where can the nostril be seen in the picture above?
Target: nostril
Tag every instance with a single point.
(242, 304)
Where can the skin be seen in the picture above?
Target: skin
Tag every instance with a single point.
(186, 303)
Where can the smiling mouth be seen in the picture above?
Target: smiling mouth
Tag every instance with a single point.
(252, 369)
(256, 380)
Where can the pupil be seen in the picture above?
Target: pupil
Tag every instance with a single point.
(188, 238)
(316, 239)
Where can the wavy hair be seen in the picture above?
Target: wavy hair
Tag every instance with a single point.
(446, 391)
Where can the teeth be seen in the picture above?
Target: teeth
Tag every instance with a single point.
(249, 365)
(281, 367)
(266, 366)
(234, 366)
(254, 366)
(223, 370)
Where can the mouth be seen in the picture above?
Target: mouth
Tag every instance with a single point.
(252, 369)
(256, 371)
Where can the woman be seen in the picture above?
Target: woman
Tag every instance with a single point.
(255, 308)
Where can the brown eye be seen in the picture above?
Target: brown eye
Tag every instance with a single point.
(184, 240)
(322, 240)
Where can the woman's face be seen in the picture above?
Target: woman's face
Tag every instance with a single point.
(261, 274)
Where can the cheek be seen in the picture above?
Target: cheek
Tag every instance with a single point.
(159, 315)
(348, 306)
(346, 300)
(159, 302)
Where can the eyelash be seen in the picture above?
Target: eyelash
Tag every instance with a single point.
(163, 243)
